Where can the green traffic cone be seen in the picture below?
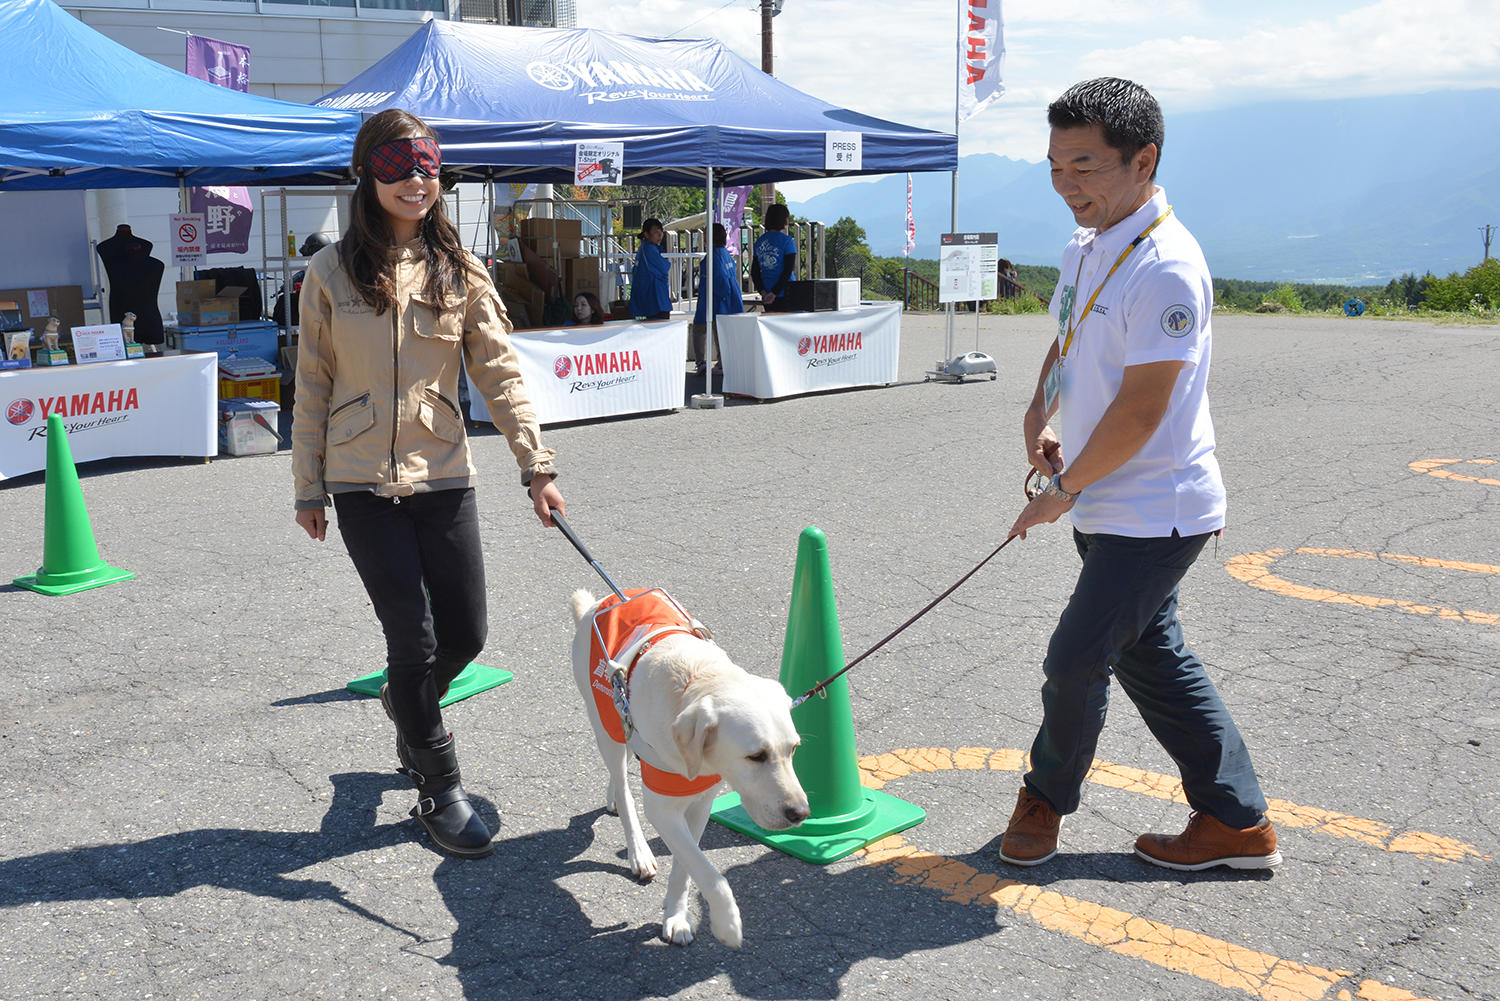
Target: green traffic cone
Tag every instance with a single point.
(70, 559)
(845, 815)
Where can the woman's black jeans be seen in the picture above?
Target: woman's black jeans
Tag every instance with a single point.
(420, 560)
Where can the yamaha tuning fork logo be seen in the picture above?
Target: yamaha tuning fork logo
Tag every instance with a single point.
(562, 367)
(613, 368)
(601, 81)
(19, 411)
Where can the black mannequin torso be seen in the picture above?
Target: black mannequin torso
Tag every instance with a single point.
(134, 281)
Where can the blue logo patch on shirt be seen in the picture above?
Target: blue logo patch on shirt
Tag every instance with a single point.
(1177, 321)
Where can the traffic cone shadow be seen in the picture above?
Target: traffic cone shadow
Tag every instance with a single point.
(845, 815)
(70, 558)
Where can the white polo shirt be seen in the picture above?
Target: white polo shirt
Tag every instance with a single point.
(1156, 307)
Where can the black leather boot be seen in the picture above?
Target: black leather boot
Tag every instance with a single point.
(443, 808)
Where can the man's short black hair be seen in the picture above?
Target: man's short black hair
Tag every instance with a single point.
(1130, 116)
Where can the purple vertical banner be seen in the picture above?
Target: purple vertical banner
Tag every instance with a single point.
(227, 212)
(731, 212)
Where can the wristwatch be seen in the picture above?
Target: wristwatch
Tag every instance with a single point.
(1053, 489)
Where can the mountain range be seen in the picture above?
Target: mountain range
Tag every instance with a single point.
(1353, 191)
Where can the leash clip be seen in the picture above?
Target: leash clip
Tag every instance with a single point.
(617, 683)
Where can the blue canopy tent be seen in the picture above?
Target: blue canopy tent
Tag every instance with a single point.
(511, 104)
(79, 110)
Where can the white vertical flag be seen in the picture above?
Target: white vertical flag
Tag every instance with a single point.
(981, 47)
(911, 223)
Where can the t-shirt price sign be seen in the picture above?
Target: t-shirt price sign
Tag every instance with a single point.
(967, 267)
(598, 163)
(189, 239)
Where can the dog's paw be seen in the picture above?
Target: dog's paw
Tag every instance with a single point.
(643, 867)
(677, 929)
(727, 928)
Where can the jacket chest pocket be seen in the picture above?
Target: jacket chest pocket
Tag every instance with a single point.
(349, 419)
(438, 320)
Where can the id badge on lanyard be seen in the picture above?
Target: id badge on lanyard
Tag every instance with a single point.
(1052, 385)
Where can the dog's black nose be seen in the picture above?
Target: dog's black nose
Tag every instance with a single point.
(797, 814)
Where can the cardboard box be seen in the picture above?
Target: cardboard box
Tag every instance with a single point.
(582, 274)
(63, 301)
(248, 427)
(549, 249)
(512, 274)
(201, 304)
(562, 230)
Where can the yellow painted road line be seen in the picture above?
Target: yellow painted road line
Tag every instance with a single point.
(878, 769)
(1214, 960)
(1255, 569)
(1231, 966)
(1434, 467)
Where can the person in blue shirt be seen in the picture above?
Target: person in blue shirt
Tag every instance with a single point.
(649, 298)
(774, 258)
(727, 297)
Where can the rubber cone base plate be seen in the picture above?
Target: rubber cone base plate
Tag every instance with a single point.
(56, 584)
(471, 680)
(821, 840)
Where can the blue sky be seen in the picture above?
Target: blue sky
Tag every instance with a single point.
(895, 59)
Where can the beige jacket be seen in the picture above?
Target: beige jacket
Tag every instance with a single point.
(377, 396)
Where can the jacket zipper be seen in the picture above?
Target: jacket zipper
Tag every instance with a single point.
(349, 403)
(452, 407)
(395, 384)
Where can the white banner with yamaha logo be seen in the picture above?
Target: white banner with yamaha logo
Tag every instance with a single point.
(575, 373)
(783, 354)
(153, 406)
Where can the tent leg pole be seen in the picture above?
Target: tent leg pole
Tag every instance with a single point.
(706, 400)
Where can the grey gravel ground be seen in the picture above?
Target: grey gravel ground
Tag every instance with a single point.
(194, 807)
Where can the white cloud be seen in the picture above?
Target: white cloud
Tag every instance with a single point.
(896, 61)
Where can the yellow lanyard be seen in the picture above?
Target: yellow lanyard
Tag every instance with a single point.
(1073, 327)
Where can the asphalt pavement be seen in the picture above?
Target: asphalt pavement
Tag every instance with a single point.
(195, 807)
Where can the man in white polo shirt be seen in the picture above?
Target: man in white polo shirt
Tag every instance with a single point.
(1128, 373)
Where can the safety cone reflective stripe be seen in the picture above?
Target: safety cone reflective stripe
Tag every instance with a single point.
(845, 815)
(70, 558)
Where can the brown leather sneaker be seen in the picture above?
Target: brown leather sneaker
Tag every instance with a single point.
(1031, 837)
(1207, 843)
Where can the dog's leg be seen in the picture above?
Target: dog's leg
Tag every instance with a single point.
(619, 800)
(681, 827)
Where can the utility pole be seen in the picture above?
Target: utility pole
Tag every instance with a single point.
(768, 10)
(1488, 231)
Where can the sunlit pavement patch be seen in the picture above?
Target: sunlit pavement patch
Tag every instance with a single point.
(1255, 569)
(1436, 467)
(1215, 960)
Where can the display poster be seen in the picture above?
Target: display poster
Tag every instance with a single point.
(598, 163)
(105, 342)
(843, 150)
(36, 302)
(968, 267)
(573, 373)
(189, 243)
(160, 406)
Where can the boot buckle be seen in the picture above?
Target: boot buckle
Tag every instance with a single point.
(424, 806)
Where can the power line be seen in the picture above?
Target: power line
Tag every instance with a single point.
(705, 17)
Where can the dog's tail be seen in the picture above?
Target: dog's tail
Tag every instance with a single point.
(581, 602)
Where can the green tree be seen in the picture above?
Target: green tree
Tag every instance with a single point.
(1477, 289)
(846, 254)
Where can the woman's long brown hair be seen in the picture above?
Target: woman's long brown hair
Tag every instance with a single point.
(365, 248)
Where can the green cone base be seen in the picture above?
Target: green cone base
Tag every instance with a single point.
(71, 583)
(821, 840)
(471, 680)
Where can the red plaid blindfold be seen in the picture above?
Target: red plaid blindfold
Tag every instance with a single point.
(400, 158)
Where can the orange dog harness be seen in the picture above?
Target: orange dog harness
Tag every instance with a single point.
(623, 630)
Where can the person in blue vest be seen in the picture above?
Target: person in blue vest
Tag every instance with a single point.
(649, 298)
(727, 298)
(773, 261)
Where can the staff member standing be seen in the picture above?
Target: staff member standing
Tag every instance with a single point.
(727, 297)
(649, 298)
(389, 315)
(1129, 373)
(774, 257)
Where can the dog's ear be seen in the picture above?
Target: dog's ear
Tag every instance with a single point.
(694, 731)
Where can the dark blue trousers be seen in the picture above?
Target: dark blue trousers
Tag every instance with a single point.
(1122, 619)
(421, 564)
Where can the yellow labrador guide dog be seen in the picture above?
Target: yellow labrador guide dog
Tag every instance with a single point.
(655, 685)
